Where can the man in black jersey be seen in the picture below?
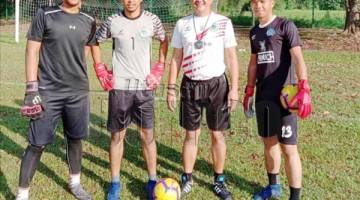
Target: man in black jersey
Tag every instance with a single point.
(57, 88)
(275, 57)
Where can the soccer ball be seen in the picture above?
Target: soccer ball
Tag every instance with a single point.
(287, 95)
(167, 189)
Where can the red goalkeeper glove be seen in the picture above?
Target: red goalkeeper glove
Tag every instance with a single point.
(249, 101)
(105, 76)
(32, 106)
(303, 99)
(154, 78)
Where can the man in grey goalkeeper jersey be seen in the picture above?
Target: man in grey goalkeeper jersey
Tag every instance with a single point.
(131, 96)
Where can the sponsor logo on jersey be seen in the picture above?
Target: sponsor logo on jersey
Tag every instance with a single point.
(265, 57)
(262, 45)
(187, 29)
(270, 32)
(72, 27)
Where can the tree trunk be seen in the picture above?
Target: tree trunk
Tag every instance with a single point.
(352, 21)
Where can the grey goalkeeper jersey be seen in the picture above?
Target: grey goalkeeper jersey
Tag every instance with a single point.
(132, 39)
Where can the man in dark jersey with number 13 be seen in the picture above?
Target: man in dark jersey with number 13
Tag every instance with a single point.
(275, 57)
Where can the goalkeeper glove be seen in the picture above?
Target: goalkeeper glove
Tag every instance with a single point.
(154, 78)
(105, 76)
(249, 101)
(303, 99)
(32, 107)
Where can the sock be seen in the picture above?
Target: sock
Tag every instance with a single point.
(23, 193)
(274, 179)
(219, 177)
(152, 177)
(115, 179)
(188, 176)
(294, 193)
(74, 179)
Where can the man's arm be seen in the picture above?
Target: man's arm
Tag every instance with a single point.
(303, 97)
(163, 50)
(250, 87)
(231, 57)
(175, 65)
(298, 60)
(104, 75)
(32, 60)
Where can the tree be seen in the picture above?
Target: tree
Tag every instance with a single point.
(352, 22)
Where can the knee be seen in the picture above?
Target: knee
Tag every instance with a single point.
(217, 136)
(117, 138)
(36, 148)
(270, 143)
(290, 151)
(147, 136)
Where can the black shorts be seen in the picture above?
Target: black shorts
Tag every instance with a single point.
(74, 112)
(273, 119)
(209, 94)
(126, 106)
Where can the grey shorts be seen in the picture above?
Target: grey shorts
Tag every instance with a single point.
(273, 119)
(74, 112)
(126, 106)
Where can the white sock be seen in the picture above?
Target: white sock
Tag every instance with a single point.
(74, 179)
(23, 193)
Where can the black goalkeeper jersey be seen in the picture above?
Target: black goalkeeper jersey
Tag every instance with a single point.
(272, 45)
(63, 37)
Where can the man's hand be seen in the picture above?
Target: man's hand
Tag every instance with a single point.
(249, 101)
(32, 107)
(233, 98)
(105, 76)
(303, 99)
(171, 98)
(154, 78)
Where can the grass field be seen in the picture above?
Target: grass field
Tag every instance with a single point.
(329, 141)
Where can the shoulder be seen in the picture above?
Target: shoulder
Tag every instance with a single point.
(49, 9)
(184, 20)
(149, 14)
(285, 24)
(218, 17)
(87, 15)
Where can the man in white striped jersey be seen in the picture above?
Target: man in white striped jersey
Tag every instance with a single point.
(131, 97)
(201, 43)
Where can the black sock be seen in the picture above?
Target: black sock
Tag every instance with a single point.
(219, 177)
(274, 178)
(74, 155)
(294, 193)
(29, 163)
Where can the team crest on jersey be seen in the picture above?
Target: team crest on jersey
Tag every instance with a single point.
(214, 27)
(144, 32)
(270, 32)
(72, 27)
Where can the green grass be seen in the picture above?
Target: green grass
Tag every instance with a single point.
(329, 141)
(302, 18)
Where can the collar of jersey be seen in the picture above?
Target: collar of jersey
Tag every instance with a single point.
(267, 23)
(135, 18)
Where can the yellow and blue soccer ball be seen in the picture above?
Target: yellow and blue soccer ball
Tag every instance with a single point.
(167, 189)
(287, 94)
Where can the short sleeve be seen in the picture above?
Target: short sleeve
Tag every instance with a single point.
(176, 37)
(159, 30)
(229, 39)
(104, 31)
(37, 27)
(251, 38)
(292, 35)
(92, 36)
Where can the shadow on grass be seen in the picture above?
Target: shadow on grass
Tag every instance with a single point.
(4, 188)
(133, 154)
